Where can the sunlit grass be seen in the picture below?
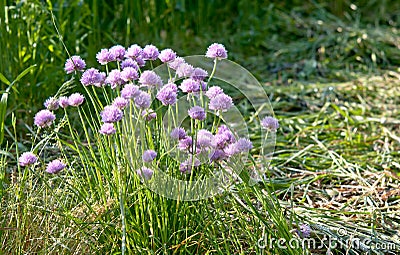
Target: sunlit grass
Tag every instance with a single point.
(332, 80)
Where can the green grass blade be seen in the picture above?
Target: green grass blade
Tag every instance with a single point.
(4, 79)
(3, 111)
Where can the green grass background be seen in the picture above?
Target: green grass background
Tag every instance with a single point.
(331, 69)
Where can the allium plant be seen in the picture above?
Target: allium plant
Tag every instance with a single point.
(138, 124)
(126, 93)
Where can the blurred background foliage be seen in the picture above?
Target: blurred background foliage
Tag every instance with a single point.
(278, 41)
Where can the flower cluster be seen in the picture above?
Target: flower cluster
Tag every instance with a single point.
(139, 94)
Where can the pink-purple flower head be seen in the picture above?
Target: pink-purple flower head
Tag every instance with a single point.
(305, 230)
(105, 56)
(107, 129)
(214, 91)
(221, 102)
(185, 143)
(130, 91)
(142, 100)
(120, 102)
(150, 79)
(220, 141)
(115, 79)
(184, 70)
(149, 155)
(145, 173)
(129, 74)
(118, 51)
(216, 51)
(111, 114)
(217, 155)
(176, 63)
(178, 133)
(199, 74)
(129, 63)
(244, 145)
(167, 95)
(75, 63)
(44, 118)
(241, 145)
(227, 133)
(149, 114)
(150, 52)
(134, 52)
(270, 123)
(27, 159)
(204, 138)
(189, 86)
(92, 76)
(140, 61)
(63, 102)
(55, 166)
(167, 55)
(172, 86)
(51, 104)
(76, 99)
(187, 165)
(197, 113)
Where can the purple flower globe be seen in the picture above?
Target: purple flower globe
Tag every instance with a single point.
(216, 51)
(189, 86)
(76, 99)
(92, 76)
(167, 96)
(214, 91)
(51, 104)
(118, 51)
(185, 143)
(150, 79)
(129, 74)
(107, 129)
(55, 166)
(204, 138)
(178, 133)
(221, 102)
(140, 61)
(217, 155)
(145, 173)
(197, 113)
(120, 102)
(105, 56)
(129, 63)
(176, 63)
(27, 159)
(130, 91)
(63, 102)
(199, 74)
(75, 63)
(115, 79)
(270, 123)
(150, 52)
(134, 52)
(149, 155)
(167, 55)
(184, 70)
(111, 114)
(142, 100)
(44, 118)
